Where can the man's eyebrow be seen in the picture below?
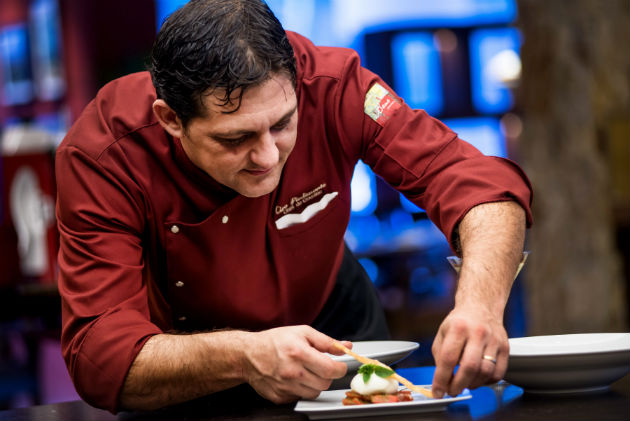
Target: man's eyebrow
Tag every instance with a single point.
(231, 133)
(287, 116)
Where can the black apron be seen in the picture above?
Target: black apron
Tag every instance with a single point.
(353, 311)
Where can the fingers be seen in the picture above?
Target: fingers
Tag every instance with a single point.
(324, 343)
(336, 351)
(447, 352)
(464, 344)
(288, 363)
(286, 395)
(474, 370)
(503, 355)
(293, 383)
(301, 382)
(319, 363)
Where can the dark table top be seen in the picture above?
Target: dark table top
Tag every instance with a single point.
(498, 402)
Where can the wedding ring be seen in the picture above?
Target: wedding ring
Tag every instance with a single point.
(490, 358)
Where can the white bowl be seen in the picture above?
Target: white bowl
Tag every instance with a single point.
(560, 364)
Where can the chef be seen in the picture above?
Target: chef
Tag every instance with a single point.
(202, 208)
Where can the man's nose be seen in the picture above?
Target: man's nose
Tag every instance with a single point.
(265, 153)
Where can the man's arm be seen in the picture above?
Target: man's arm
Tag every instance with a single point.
(282, 365)
(491, 236)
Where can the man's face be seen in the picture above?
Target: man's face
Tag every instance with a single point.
(247, 149)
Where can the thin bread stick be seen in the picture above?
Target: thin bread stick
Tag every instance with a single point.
(359, 358)
(365, 360)
(411, 386)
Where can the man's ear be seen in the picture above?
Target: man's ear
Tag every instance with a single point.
(168, 118)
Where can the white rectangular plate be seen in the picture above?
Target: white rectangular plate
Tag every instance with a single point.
(328, 405)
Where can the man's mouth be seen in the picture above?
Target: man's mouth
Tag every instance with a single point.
(259, 171)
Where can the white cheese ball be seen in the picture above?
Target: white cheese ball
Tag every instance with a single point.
(376, 384)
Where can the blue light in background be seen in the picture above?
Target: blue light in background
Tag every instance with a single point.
(431, 283)
(163, 8)
(408, 205)
(371, 269)
(45, 31)
(484, 133)
(417, 71)
(494, 65)
(16, 64)
(363, 188)
(404, 14)
(399, 220)
(421, 280)
(343, 23)
(362, 231)
(483, 403)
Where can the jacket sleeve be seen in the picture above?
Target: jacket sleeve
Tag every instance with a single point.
(418, 155)
(105, 314)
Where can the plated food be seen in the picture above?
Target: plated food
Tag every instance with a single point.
(330, 403)
(387, 352)
(375, 382)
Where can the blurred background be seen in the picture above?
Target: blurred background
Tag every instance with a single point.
(536, 81)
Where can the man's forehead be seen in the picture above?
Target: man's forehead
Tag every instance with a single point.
(215, 100)
(253, 100)
(254, 110)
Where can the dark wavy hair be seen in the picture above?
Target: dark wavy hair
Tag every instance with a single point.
(217, 44)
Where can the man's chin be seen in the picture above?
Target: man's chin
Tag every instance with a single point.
(255, 194)
(257, 191)
(252, 187)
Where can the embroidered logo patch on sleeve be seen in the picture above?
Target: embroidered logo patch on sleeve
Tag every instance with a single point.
(380, 104)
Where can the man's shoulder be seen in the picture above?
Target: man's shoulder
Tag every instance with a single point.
(120, 108)
(319, 61)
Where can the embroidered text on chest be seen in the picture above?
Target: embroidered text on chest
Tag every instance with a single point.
(300, 200)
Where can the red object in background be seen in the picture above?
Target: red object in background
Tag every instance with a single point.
(9, 259)
(28, 233)
(100, 43)
(13, 11)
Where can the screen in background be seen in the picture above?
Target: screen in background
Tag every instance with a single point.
(495, 66)
(17, 82)
(417, 71)
(484, 133)
(46, 49)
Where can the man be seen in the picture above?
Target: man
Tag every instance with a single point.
(202, 211)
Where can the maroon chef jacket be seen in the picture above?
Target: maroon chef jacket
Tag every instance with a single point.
(150, 243)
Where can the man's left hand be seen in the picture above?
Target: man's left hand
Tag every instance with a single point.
(475, 340)
(472, 335)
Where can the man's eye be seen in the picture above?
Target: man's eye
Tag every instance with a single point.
(281, 125)
(232, 141)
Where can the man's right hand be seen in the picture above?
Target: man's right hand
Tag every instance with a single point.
(282, 365)
(287, 363)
